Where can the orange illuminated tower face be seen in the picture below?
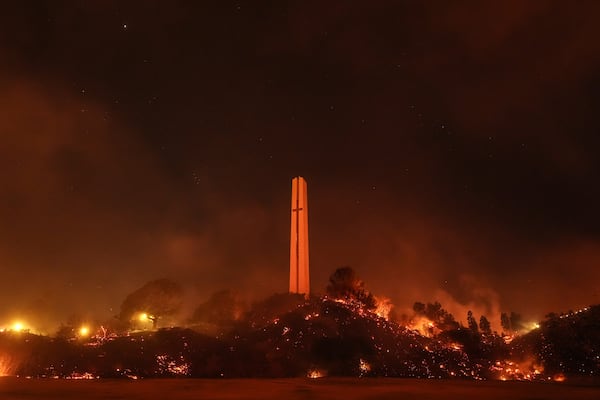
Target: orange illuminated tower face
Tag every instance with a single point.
(299, 276)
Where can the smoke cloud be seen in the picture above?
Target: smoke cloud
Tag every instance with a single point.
(449, 152)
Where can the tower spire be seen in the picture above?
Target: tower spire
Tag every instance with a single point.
(299, 273)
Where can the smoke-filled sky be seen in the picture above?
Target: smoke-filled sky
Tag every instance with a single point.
(450, 148)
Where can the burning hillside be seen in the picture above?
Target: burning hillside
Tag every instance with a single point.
(347, 332)
(317, 337)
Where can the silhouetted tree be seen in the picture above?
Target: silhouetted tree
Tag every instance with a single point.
(222, 308)
(273, 306)
(158, 299)
(512, 322)
(516, 322)
(472, 322)
(345, 284)
(69, 329)
(441, 318)
(419, 308)
(66, 332)
(552, 315)
(485, 325)
(505, 322)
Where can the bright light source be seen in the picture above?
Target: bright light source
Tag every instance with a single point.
(17, 326)
(143, 317)
(84, 331)
(534, 325)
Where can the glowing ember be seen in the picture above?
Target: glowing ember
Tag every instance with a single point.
(311, 316)
(364, 367)
(172, 366)
(508, 338)
(84, 331)
(456, 346)
(513, 371)
(315, 373)
(79, 376)
(559, 378)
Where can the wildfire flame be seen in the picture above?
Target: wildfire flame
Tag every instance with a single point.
(526, 370)
(315, 373)
(7, 366)
(422, 325)
(384, 307)
(364, 367)
(559, 378)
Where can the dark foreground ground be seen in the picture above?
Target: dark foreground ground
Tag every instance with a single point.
(324, 388)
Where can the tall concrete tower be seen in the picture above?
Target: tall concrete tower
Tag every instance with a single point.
(299, 276)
